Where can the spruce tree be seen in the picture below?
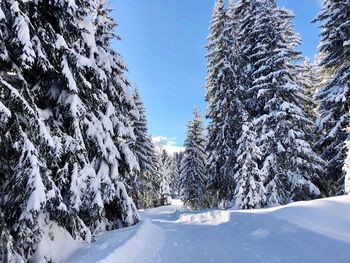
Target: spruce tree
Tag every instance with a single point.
(166, 170)
(7, 252)
(193, 176)
(245, 13)
(333, 96)
(65, 126)
(291, 166)
(222, 106)
(175, 174)
(146, 188)
(308, 79)
(250, 191)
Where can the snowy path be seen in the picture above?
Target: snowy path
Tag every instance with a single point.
(316, 231)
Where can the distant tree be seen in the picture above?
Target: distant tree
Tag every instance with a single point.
(166, 170)
(309, 80)
(146, 187)
(193, 177)
(175, 174)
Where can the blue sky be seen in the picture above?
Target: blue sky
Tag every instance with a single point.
(164, 47)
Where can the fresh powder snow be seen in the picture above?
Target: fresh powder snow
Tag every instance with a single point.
(313, 231)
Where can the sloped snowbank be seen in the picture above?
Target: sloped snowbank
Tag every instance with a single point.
(329, 217)
(124, 245)
(145, 245)
(56, 244)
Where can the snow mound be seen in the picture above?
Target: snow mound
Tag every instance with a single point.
(56, 243)
(140, 243)
(329, 217)
(207, 218)
(144, 246)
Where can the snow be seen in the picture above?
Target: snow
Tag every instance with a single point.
(2, 15)
(69, 75)
(37, 197)
(318, 231)
(60, 42)
(141, 241)
(57, 248)
(5, 113)
(23, 34)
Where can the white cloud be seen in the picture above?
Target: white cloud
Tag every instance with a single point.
(173, 149)
(167, 143)
(162, 140)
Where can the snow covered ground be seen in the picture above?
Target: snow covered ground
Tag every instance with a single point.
(316, 231)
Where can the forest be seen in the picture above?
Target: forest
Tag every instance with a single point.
(76, 151)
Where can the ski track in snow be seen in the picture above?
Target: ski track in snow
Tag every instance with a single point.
(315, 231)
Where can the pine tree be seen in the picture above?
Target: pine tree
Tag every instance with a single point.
(175, 174)
(65, 128)
(333, 97)
(166, 170)
(245, 13)
(222, 106)
(308, 79)
(26, 186)
(7, 252)
(250, 191)
(193, 177)
(146, 189)
(291, 166)
(157, 178)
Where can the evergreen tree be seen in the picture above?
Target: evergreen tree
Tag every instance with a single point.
(333, 96)
(250, 191)
(245, 13)
(222, 104)
(308, 79)
(146, 189)
(7, 252)
(65, 128)
(166, 170)
(193, 175)
(175, 175)
(289, 162)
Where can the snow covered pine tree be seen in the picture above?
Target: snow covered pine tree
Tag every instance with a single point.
(250, 191)
(175, 174)
(257, 104)
(220, 97)
(282, 123)
(334, 95)
(146, 188)
(166, 169)
(65, 127)
(193, 177)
